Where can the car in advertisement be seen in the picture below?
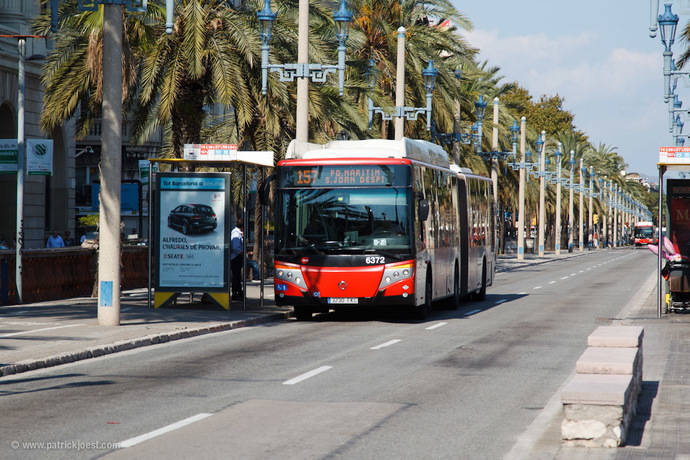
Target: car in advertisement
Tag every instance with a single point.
(192, 218)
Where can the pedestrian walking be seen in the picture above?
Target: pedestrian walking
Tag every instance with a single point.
(236, 261)
(69, 241)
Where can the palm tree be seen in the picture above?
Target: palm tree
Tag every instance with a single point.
(377, 21)
(73, 72)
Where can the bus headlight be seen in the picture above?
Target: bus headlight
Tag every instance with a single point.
(290, 274)
(396, 272)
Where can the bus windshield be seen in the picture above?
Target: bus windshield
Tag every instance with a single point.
(344, 220)
(644, 232)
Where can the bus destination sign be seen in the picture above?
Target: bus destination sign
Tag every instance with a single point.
(345, 176)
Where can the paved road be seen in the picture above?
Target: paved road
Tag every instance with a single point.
(465, 384)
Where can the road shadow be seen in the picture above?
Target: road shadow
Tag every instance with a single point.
(406, 315)
(645, 401)
(6, 383)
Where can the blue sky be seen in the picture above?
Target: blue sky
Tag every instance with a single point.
(597, 54)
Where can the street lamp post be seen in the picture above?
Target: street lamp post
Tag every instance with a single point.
(590, 221)
(615, 215)
(303, 71)
(456, 137)
(494, 160)
(541, 144)
(521, 194)
(602, 218)
(581, 243)
(403, 112)
(558, 154)
(570, 201)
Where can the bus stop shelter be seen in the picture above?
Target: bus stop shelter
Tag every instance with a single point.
(670, 159)
(213, 157)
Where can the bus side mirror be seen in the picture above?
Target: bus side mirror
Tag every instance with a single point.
(265, 190)
(423, 210)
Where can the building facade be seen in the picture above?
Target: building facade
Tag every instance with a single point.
(49, 201)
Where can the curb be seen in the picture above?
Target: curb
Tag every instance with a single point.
(130, 344)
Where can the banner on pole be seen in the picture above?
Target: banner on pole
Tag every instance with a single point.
(674, 155)
(39, 157)
(210, 152)
(144, 166)
(8, 156)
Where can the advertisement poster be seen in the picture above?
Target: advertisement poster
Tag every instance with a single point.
(8, 156)
(679, 214)
(192, 231)
(39, 157)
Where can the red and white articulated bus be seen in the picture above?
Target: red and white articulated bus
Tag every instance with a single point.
(644, 233)
(380, 222)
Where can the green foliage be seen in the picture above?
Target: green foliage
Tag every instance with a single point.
(89, 221)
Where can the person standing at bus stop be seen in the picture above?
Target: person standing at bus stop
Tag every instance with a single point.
(236, 240)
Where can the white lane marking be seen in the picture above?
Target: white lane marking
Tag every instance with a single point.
(564, 277)
(522, 293)
(581, 271)
(470, 313)
(573, 274)
(537, 287)
(435, 326)
(499, 302)
(37, 330)
(174, 426)
(552, 282)
(307, 375)
(386, 344)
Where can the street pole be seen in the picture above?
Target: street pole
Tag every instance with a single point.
(615, 215)
(110, 170)
(399, 84)
(521, 194)
(21, 47)
(570, 202)
(542, 198)
(590, 228)
(558, 202)
(456, 129)
(605, 213)
(494, 163)
(302, 115)
(580, 214)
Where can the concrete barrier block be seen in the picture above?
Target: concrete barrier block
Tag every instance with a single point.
(601, 360)
(598, 389)
(616, 336)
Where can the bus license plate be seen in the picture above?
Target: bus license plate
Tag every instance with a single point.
(343, 300)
